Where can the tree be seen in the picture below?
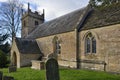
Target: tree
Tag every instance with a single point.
(5, 47)
(92, 3)
(95, 3)
(3, 38)
(10, 17)
(3, 59)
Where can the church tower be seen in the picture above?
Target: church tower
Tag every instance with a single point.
(31, 20)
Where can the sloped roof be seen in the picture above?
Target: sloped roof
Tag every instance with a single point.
(62, 24)
(27, 46)
(81, 19)
(101, 17)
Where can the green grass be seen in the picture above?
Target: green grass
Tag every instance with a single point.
(65, 74)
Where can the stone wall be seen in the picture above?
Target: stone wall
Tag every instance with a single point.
(108, 48)
(21, 59)
(14, 50)
(68, 47)
(25, 59)
(28, 22)
(67, 63)
(40, 65)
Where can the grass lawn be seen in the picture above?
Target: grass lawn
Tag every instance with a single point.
(65, 74)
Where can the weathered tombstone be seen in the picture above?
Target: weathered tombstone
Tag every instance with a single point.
(12, 69)
(8, 78)
(52, 70)
(1, 75)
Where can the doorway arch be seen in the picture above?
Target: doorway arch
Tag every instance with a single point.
(14, 59)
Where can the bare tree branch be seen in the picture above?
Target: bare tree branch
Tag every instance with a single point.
(10, 17)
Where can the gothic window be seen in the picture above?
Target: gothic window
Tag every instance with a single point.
(56, 45)
(90, 44)
(93, 45)
(87, 45)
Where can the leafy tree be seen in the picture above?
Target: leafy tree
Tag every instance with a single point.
(10, 17)
(5, 47)
(95, 3)
(92, 3)
(3, 59)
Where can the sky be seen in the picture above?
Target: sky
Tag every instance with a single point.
(53, 8)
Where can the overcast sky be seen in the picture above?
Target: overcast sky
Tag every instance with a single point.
(54, 8)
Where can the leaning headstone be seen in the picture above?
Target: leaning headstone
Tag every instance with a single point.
(1, 75)
(52, 70)
(12, 69)
(8, 78)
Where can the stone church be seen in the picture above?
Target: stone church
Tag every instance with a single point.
(87, 38)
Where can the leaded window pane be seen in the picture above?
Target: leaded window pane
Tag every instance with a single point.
(93, 45)
(87, 45)
(90, 44)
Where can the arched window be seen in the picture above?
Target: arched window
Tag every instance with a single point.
(93, 45)
(56, 45)
(87, 45)
(90, 44)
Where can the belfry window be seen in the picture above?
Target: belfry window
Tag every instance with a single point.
(24, 23)
(90, 44)
(36, 23)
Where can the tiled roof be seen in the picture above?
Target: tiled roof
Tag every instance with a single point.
(62, 24)
(27, 46)
(102, 17)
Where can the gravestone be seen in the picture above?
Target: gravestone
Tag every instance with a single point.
(52, 70)
(12, 69)
(52, 55)
(1, 74)
(8, 78)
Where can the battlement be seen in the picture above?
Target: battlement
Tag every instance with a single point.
(34, 15)
(31, 20)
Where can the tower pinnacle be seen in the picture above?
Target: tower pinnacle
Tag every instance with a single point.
(28, 6)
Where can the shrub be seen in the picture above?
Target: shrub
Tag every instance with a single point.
(3, 59)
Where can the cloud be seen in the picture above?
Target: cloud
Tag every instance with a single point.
(54, 8)
(3, 0)
(25, 6)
